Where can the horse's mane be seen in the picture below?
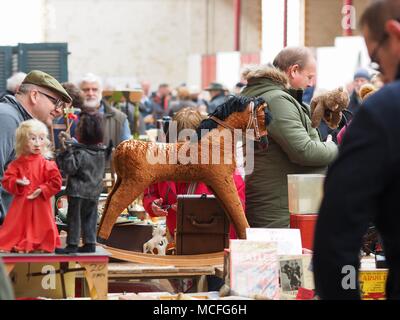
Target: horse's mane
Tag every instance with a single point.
(224, 110)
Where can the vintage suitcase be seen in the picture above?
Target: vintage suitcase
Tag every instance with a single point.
(202, 225)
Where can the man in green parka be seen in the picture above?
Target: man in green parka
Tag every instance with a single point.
(295, 147)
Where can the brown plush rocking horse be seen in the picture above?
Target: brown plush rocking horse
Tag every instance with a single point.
(135, 172)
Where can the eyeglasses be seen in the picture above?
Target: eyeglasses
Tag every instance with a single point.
(58, 103)
(374, 55)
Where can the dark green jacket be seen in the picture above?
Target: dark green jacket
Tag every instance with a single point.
(295, 148)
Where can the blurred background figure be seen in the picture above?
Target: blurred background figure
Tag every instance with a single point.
(183, 101)
(146, 106)
(202, 99)
(13, 83)
(361, 76)
(238, 88)
(160, 101)
(145, 85)
(217, 95)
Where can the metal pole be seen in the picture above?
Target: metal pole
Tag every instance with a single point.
(347, 31)
(237, 14)
(285, 22)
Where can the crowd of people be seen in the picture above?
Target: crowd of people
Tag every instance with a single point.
(361, 184)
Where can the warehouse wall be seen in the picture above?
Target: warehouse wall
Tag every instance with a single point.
(323, 20)
(147, 39)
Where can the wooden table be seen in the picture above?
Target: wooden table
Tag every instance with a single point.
(128, 271)
(94, 265)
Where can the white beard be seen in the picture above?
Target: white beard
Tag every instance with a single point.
(92, 103)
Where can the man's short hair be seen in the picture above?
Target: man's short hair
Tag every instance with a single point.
(90, 77)
(291, 56)
(375, 16)
(26, 87)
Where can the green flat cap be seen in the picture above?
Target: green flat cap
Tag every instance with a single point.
(45, 80)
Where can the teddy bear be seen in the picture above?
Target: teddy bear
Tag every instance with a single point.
(329, 106)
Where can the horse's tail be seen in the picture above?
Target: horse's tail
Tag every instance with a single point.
(109, 197)
(116, 159)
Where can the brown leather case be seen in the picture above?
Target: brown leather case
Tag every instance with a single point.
(202, 226)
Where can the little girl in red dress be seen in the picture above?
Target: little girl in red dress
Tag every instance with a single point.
(29, 224)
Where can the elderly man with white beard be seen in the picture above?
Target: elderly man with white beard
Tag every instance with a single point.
(116, 123)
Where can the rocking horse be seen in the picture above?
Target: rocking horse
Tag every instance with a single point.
(135, 172)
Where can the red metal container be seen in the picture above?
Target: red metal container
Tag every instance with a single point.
(306, 224)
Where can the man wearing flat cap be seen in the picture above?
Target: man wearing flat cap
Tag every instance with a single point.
(41, 97)
(217, 93)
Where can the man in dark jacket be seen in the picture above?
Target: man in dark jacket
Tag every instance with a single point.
(363, 184)
(40, 96)
(116, 125)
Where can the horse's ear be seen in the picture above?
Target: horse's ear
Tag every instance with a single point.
(263, 106)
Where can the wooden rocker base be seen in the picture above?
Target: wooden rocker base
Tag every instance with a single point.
(208, 259)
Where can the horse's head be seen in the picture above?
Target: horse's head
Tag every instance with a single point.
(259, 119)
(241, 112)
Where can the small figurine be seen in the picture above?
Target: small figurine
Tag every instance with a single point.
(29, 225)
(84, 163)
(158, 243)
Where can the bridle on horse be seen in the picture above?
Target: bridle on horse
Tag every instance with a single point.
(251, 124)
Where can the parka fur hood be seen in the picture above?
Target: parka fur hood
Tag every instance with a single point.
(251, 73)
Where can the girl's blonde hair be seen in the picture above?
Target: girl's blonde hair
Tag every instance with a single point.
(22, 135)
(188, 118)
